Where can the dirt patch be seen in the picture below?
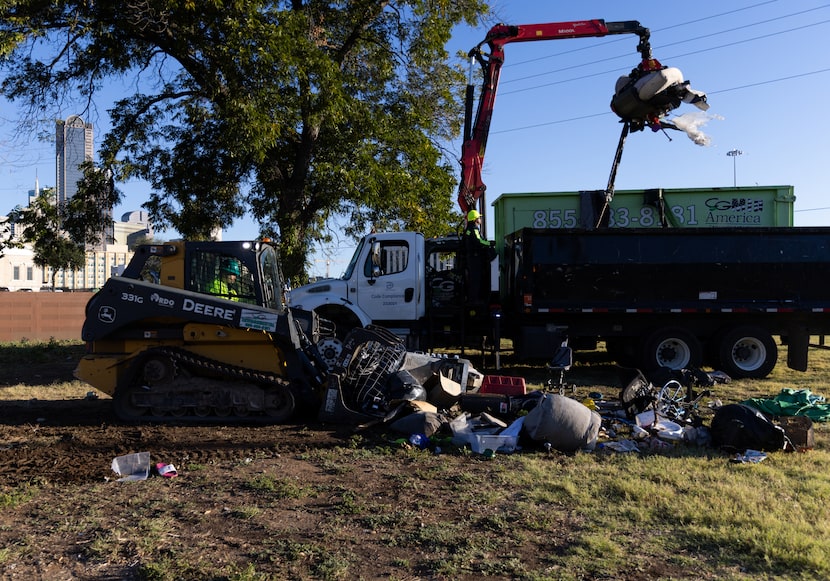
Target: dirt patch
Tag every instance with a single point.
(301, 501)
(294, 501)
(74, 441)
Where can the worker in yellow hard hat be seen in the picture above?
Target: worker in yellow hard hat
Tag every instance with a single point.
(478, 255)
(474, 228)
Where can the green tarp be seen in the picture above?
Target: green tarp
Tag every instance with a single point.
(793, 402)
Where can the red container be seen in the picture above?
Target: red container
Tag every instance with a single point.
(503, 385)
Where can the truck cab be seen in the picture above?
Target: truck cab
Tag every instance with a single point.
(400, 280)
(383, 282)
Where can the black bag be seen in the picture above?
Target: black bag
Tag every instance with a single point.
(737, 427)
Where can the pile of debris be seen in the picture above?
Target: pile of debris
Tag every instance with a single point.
(429, 400)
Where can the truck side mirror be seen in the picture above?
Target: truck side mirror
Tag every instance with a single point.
(375, 270)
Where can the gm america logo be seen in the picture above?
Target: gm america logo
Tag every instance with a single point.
(738, 211)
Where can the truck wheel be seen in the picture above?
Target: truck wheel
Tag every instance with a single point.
(671, 347)
(748, 352)
(330, 349)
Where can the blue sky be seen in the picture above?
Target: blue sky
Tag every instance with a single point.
(765, 66)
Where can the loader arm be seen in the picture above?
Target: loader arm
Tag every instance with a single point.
(476, 130)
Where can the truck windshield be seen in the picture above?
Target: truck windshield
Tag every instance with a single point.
(353, 262)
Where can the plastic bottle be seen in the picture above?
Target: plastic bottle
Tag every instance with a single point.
(420, 441)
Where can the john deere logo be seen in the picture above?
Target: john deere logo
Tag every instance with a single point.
(106, 314)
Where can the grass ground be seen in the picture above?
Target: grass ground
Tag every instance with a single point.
(304, 502)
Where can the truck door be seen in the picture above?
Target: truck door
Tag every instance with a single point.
(388, 281)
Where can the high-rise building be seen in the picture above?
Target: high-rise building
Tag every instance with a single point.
(73, 147)
(73, 143)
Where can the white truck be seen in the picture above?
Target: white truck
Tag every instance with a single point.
(671, 297)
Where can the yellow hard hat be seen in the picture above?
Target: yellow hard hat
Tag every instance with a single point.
(473, 215)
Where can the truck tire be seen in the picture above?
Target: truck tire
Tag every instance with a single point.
(671, 347)
(748, 352)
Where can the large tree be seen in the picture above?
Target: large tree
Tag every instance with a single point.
(297, 111)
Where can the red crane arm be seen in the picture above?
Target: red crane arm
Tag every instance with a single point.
(471, 188)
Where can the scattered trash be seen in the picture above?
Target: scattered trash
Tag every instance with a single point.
(793, 402)
(132, 467)
(620, 446)
(639, 433)
(503, 385)
(799, 430)
(750, 456)
(420, 441)
(668, 430)
(419, 422)
(166, 470)
(654, 444)
(565, 423)
(738, 427)
(485, 432)
(493, 442)
(647, 418)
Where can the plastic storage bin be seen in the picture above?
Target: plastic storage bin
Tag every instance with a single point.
(503, 385)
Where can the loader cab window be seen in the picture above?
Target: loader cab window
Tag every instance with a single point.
(272, 280)
(388, 257)
(151, 270)
(223, 276)
(146, 263)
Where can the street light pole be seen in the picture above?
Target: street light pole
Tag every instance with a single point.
(734, 153)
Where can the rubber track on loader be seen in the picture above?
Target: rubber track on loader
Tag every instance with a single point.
(215, 370)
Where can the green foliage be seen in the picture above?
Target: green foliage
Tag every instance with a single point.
(294, 111)
(88, 213)
(41, 226)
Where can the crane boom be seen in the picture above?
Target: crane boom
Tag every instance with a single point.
(471, 187)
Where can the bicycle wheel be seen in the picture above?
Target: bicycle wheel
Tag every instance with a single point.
(671, 400)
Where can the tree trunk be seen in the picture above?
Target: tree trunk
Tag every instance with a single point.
(294, 252)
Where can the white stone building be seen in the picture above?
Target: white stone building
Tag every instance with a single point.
(18, 271)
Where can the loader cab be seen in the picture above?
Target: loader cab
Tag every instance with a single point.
(201, 266)
(222, 274)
